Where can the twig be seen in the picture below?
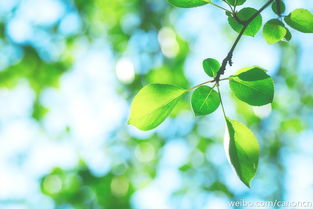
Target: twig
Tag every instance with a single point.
(236, 1)
(219, 94)
(218, 6)
(231, 8)
(206, 82)
(228, 58)
(201, 84)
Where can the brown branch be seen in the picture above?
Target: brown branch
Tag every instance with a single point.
(228, 58)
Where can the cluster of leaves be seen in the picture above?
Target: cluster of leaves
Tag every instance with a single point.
(153, 104)
(252, 85)
(274, 30)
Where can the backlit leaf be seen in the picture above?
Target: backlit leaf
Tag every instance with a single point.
(153, 104)
(211, 66)
(274, 31)
(242, 150)
(253, 86)
(188, 3)
(301, 20)
(204, 100)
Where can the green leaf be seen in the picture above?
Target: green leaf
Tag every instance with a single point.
(204, 100)
(188, 3)
(242, 150)
(153, 104)
(274, 31)
(236, 2)
(211, 66)
(253, 86)
(279, 8)
(244, 15)
(288, 35)
(228, 13)
(301, 20)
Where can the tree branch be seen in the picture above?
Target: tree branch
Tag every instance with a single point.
(228, 58)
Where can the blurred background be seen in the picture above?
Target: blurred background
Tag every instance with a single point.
(68, 72)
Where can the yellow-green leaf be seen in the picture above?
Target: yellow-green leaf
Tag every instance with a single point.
(204, 100)
(274, 31)
(188, 3)
(242, 150)
(301, 20)
(153, 104)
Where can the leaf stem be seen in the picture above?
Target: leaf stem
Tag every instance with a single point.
(231, 8)
(219, 94)
(236, 1)
(223, 79)
(206, 82)
(201, 84)
(218, 6)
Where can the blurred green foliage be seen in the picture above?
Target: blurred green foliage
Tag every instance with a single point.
(137, 163)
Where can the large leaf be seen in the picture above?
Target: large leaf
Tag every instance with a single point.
(301, 20)
(236, 2)
(188, 3)
(253, 86)
(153, 104)
(244, 15)
(204, 100)
(211, 66)
(242, 150)
(274, 31)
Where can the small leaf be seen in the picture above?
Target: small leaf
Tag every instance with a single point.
(242, 150)
(274, 31)
(204, 100)
(253, 86)
(236, 2)
(228, 13)
(211, 66)
(153, 104)
(188, 3)
(278, 8)
(288, 35)
(301, 20)
(244, 15)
